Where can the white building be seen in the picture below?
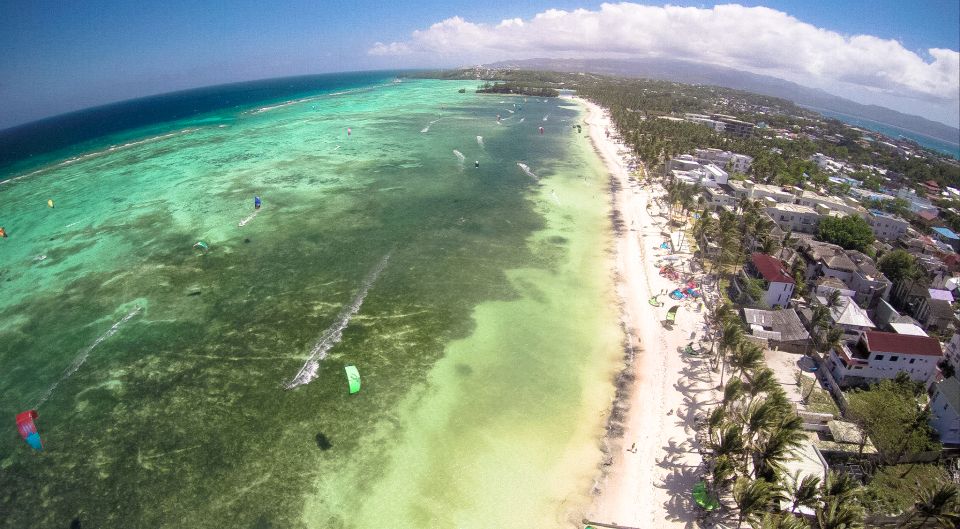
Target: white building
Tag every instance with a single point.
(952, 352)
(794, 217)
(754, 191)
(945, 410)
(739, 163)
(809, 198)
(847, 315)
(882, 355)
(887, 226)
(777, 281)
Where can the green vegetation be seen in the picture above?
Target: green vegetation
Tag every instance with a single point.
(892, 489)
(851, 232)
(888, 412)
(817, 399)
(517, 88)
(897, 265)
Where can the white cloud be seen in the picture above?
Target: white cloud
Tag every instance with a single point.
(756, 39)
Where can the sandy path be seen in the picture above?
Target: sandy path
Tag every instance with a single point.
(649, 487)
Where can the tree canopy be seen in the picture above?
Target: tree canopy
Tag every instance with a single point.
(893, 420)
(897, 265)
(850, 232)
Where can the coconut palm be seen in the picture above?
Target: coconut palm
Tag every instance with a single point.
(762, 380)
(729, 442)
(839, 485)
(937, 506)
(803, 491)
(835, 513)
(722, 472)
(730, 338)
(781, 521)
(774, 449)
(753, 498)
(746, 356)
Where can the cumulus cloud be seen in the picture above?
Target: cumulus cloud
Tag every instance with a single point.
(756, 39)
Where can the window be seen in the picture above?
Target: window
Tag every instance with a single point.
(912, 360)
(894, 358)
(879, 357)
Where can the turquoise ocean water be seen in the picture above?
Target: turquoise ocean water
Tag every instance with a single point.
(934, 144)
(178, 388)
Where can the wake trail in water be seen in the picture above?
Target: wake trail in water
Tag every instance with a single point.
(427, 128)
(334, 333)
(521, 120)
(546, 117)
(459, 155)
(480, 141)
(337, 147)
(248, 219)
(555, 197)
(510, 111)
(82, 357)
(526, 169)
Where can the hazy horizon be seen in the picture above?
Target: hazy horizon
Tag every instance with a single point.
(68, 58)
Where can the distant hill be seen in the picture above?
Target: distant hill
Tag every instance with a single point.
(699, 73)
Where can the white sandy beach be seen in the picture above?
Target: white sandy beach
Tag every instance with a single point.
(650, 487)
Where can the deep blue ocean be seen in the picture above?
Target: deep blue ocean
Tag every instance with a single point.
(938, 145)
(38, 143)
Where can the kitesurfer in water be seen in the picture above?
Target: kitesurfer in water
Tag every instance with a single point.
(256, 202)
(541, 130)
(3, 232)
(476, 163)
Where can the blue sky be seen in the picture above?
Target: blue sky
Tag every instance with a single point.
(61, 56)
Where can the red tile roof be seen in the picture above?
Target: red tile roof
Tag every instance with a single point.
(890, 342)
(770, 268)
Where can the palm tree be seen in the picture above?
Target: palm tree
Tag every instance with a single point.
(746, 356)
(753, 498)
(730, 338)
(731, 392)
(937, 506)
(781, 521)
(838, 514)
(839, 485)
(762, 380)
(777, 447)
(805, 491)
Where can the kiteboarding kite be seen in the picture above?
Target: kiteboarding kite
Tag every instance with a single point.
(28, 430)
(703, 498)
(672, 313)
(353, 378)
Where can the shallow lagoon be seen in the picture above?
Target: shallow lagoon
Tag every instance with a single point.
(486, 343)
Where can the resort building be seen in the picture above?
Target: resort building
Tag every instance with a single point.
(777, 283)
(731, 161)
(952, 352)
(887, 226)
(855, 269)
(828, 203)
(717, 198)
(780, 329)
(847, 315)
(882, 355)
(753, 191)
(945, 410)
(947, 236)
(794, 217)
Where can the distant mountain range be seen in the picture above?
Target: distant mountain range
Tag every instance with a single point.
(699, 73)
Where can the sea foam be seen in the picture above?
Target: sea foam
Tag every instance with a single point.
(334, 333)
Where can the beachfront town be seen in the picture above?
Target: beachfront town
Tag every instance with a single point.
(806, 276)
(845, 290)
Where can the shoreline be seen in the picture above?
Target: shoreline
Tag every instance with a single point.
(650, 458)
